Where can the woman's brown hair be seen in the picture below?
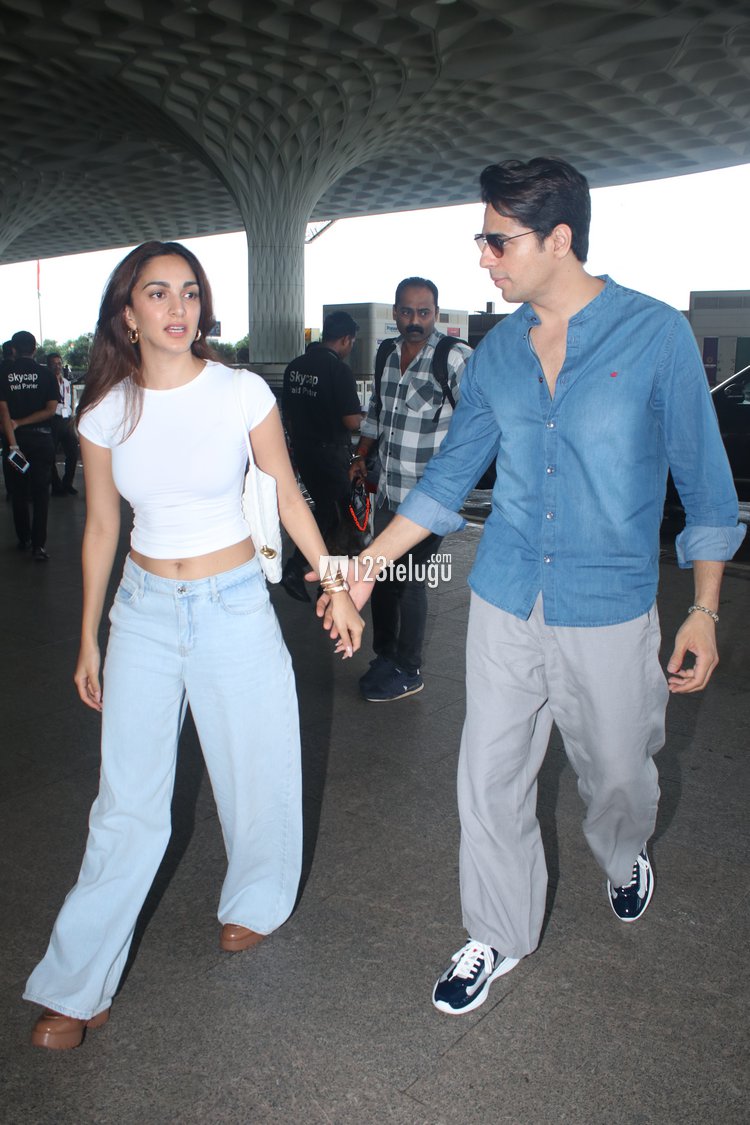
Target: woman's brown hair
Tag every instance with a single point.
(114, 359)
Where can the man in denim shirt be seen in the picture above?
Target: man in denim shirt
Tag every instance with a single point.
(588, 393)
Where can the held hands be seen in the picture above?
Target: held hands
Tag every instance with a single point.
(347, 625)
(86, 677)
(343, 622)
(359, 593)
(696, 635)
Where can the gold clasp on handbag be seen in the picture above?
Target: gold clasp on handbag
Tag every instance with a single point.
(268, 552)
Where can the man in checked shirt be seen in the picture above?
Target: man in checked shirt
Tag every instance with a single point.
(409, 421)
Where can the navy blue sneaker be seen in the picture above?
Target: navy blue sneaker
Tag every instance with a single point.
(466, 982)
(630, 901)
(380, 668)
(393, 684)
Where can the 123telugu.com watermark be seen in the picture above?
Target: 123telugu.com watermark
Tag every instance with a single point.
(375, 568)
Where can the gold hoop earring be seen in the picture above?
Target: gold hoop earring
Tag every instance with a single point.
(133, 335)
(197, 336)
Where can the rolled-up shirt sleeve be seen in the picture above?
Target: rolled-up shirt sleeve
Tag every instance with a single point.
(708, 544)
(430, 513)
(696, 454)
(369, 427)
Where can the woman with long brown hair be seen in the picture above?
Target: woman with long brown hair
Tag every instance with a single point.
(161, 424)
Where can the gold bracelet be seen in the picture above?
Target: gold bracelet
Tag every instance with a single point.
(334, 586)
(334, 583)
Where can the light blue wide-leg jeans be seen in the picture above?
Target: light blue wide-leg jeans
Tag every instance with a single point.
(215, 644)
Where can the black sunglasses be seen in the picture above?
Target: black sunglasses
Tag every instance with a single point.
(496, 242)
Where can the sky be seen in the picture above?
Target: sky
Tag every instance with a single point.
(664, 237)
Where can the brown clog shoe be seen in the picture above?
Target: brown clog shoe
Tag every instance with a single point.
(57, 1032)
(235, 938)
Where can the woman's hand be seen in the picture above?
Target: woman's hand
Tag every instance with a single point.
(347, 624)
(86, 676)
(359, 592)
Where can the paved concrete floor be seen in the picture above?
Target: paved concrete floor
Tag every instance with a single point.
(330, 1021)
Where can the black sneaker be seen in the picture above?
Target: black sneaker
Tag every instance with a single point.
(630, 901)
(465, 983)
(393, 684)
(39, 554)
(379, 668)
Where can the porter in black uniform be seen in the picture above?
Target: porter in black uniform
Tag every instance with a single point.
(321, 408)
(28, 400)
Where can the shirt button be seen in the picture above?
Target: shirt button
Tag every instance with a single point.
(550, 515)
(550, 425)
(548, 558)
(550, 470)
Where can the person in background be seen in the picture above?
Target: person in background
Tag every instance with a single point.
(321, 409)
(28, 400)
(590, 393)
(407, 423)
(63, 430)
(8, 353)
(161, 424)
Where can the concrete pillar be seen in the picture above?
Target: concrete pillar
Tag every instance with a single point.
(276, 267)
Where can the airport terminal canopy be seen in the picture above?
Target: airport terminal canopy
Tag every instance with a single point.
(129, 119)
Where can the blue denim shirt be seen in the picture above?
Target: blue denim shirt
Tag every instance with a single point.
(581, 476)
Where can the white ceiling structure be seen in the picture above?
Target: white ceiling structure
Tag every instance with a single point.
(123, 120)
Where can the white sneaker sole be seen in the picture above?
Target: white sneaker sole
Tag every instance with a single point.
(479, 997)
(393, 698)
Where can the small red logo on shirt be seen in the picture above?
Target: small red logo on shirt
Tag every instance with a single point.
(613, 374)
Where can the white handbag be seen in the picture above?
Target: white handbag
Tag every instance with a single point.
(260, 506)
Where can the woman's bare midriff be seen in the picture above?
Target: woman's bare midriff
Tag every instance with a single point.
(201, 566)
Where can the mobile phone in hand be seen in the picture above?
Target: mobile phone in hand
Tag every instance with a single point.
(18, 461)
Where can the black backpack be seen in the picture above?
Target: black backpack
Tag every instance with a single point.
(440, 371)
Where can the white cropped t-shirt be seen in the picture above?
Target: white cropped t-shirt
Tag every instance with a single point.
(182, 468)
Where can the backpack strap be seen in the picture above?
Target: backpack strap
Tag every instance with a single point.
(384, 350)
(440, 368)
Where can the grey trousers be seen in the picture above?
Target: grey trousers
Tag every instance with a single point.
(606, 691)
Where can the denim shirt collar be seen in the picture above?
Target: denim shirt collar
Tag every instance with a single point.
(591, 308)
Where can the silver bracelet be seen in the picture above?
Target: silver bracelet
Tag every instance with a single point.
(702, 609)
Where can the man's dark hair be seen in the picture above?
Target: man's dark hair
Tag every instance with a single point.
(53, 355)
(339, 324)
(24, 343)
(8, 349)
(540, 194)
(422, 282)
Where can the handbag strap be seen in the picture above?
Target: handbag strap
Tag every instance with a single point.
(241, 405)
(248, 443)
